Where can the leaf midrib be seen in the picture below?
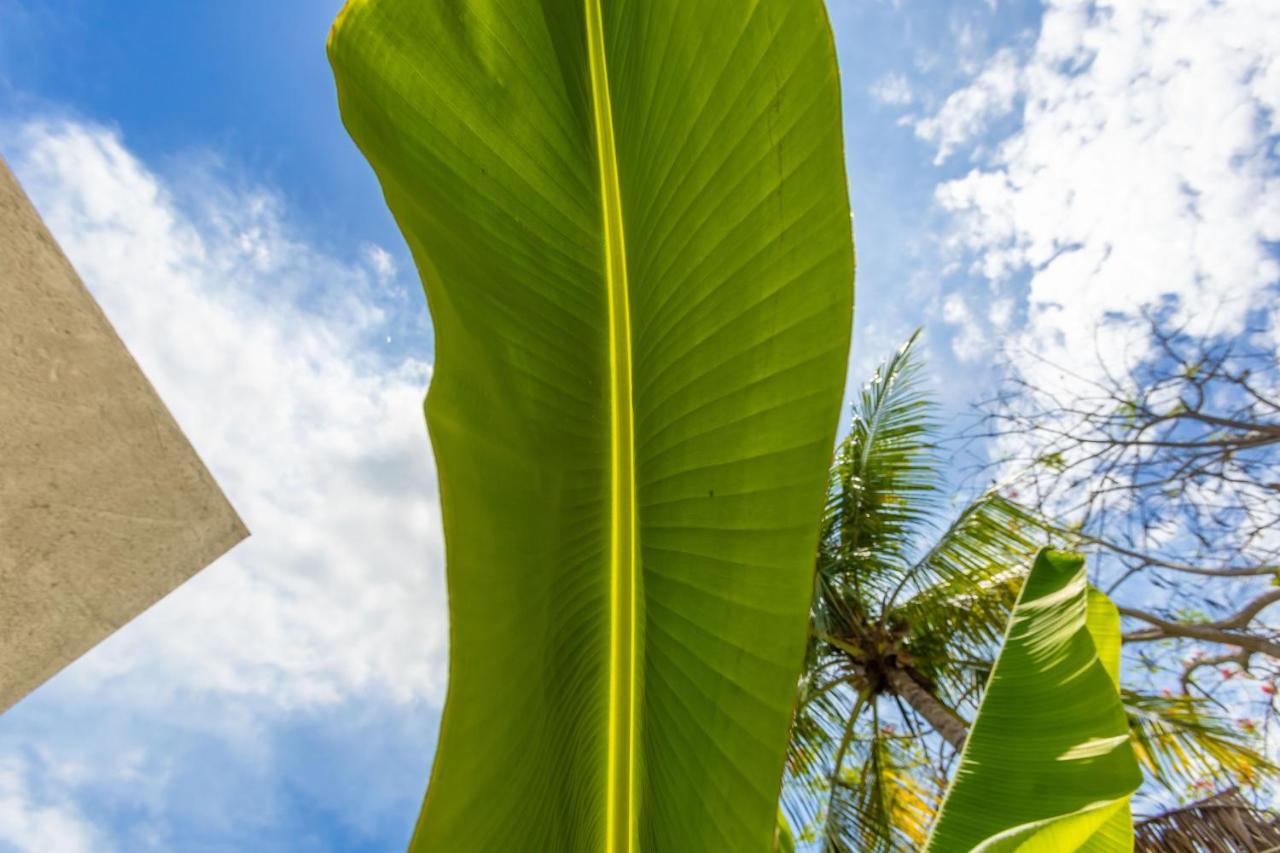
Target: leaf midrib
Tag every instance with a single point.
(620, 826)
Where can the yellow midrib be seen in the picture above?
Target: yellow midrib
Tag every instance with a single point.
(620, 827)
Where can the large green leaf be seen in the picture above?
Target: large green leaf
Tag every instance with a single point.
(631, 220)
(1048, 765)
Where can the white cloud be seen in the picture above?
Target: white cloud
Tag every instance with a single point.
(970, 341)
(891, 89)
(264, 347)
(48, 823)
(954, 310)
(966, 113)
(1143, 169)
(1000, 311)
(380, 261)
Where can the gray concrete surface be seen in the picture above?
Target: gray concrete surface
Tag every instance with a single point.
(104, 505)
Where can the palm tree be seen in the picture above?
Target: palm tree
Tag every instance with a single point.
(909, 609)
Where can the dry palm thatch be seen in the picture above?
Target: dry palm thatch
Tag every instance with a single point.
(1225, 821)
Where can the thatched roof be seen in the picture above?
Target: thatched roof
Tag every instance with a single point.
(1225, 821)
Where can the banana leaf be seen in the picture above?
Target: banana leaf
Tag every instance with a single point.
(632, 224)
(1048, 765)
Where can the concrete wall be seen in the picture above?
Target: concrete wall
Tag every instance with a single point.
(104, 505)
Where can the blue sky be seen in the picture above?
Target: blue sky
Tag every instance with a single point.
(1018, 173)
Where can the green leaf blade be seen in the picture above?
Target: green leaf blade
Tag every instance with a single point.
(623, 647)
(1048, 764)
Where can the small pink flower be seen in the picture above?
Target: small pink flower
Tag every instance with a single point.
(1269, 688)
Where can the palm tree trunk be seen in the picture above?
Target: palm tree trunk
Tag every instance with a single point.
(944, 720)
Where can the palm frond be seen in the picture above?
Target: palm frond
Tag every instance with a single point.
(885, 801)
(1183, 745)
(885, 479)
(825, 717)
(1224, 821)
(963, 589)
(990, 538)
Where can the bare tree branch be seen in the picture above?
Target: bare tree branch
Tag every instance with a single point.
(1230, 631)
